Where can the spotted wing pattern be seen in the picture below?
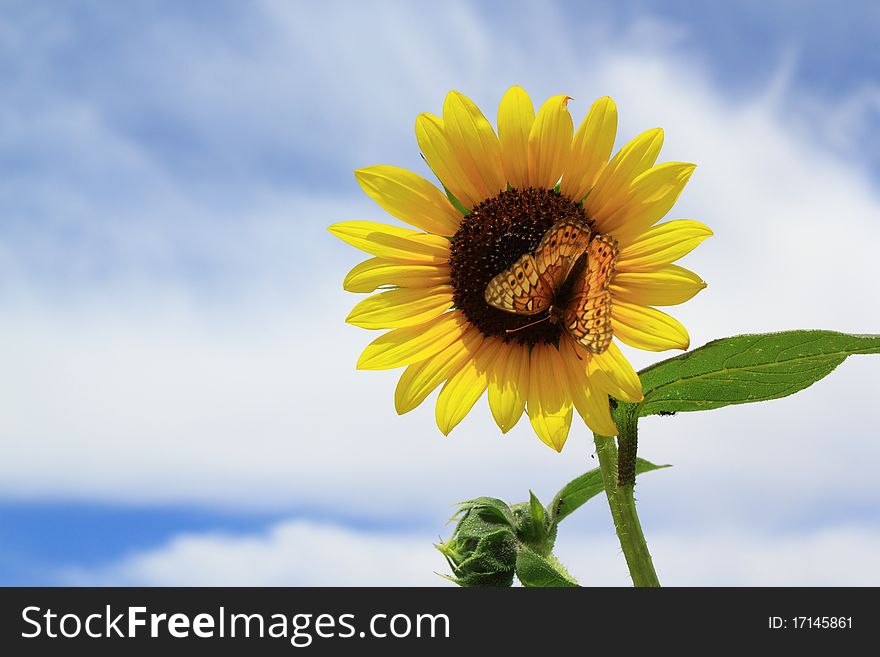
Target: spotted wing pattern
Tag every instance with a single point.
(561, 247)
(587, 317)
(528, 286)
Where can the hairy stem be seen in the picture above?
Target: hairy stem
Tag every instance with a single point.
(623, 506)
(627, 446)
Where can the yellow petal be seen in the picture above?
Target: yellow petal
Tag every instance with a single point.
(612, 186)
(596, 375)
(516, 114)
(594, 409)
(405, 346)
(623, 380)
(392, 242)
(549, 406)
(474, 143)
(662, 244)
(410, 198)
(664, 285)
(590, 149)
(647, 328)
(650, 198)
(508, 386)
(466, 386)
(550, 142)
(589, 399)
(435, 146)
(400, 308)
(420, 379)
(375, 272)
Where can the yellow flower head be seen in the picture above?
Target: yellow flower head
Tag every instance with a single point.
(543, 249)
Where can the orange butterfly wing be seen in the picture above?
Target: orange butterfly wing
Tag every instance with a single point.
(561, 247)
(528, 286)
(519, 289)
(587, 318)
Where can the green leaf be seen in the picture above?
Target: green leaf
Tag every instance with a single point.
(534, 570)
(588, 485)
(744, 369)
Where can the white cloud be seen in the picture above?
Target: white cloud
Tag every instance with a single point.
(293, 553)
(157, 384)
(299, 553)
(846, 556)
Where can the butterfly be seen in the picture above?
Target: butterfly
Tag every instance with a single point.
(533, 283)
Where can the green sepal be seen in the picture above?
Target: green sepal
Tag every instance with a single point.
(536, 510)
(490, 508)
(455, 202)
(532, 569)
(534, 527)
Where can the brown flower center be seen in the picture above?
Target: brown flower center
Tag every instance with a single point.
(495, 234)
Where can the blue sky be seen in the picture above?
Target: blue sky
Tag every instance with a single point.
(175, 359)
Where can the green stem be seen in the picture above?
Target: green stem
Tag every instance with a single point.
(623, 506)
(627, 448)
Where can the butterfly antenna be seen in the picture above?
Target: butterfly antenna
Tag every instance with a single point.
(525, 326)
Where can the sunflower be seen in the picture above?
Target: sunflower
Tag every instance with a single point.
(502, 193)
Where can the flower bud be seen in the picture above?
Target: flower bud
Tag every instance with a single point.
(483, 548)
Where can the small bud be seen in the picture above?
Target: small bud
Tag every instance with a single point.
(483, 548)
